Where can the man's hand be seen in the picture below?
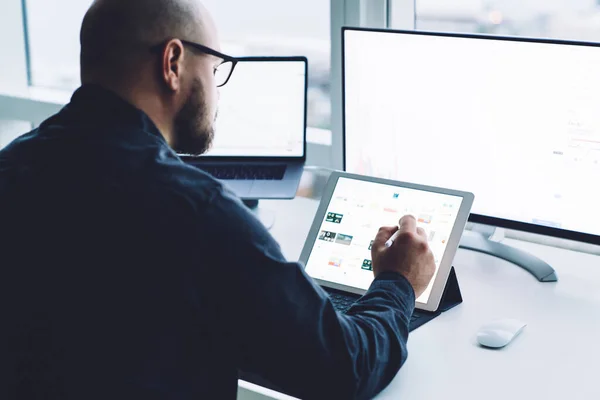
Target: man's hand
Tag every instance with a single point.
(409, 255)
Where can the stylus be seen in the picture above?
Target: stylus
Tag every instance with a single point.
(390, 241)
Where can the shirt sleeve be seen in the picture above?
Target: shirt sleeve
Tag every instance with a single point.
(282, 325)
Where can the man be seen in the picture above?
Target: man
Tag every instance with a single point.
(128, 274)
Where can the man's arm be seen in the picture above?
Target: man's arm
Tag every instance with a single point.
(284, 326)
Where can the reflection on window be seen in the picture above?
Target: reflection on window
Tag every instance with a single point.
(258, 27)
(562, 19)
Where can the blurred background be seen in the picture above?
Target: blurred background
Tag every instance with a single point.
(289, 27)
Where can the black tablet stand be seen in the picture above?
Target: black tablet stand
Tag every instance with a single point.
(451, 297)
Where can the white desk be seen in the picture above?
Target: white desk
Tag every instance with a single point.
(556, 357)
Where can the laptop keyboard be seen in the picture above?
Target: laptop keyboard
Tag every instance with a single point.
(246, 172)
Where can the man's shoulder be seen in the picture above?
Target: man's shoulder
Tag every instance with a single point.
(11, 150)
(184, 178)
(204, 190)
(215, 205)
(174, 176)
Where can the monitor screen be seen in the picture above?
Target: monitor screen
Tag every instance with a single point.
(515, 122)
(262, 111)
(357, 209)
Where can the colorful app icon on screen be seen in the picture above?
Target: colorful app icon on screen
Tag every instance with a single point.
(334, 218)
(367, 265)
(327, 236)
(335, 262)
(344, 239)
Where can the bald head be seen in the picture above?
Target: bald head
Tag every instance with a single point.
(117, 34)
(136, 49)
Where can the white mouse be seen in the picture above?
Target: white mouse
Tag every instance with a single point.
(499, 333)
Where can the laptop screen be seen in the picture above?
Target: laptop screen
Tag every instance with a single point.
(357, 209)
(262, 110)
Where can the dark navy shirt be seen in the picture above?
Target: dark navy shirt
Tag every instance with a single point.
(125, 273)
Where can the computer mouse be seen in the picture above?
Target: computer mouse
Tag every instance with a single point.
(499, 333)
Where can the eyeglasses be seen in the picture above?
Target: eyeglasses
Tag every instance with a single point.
(222, 72)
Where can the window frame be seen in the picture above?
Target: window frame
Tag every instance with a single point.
(366, 14)
(13, 42)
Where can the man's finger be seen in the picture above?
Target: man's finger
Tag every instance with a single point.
(408, 223)
(383, 236)
(421, 232)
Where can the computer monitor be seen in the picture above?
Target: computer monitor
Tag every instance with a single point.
(262, 109)
(515, 121)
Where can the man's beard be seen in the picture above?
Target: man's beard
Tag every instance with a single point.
(193, 130)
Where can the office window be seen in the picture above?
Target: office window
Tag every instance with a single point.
(562, 19)
(53, 37)
(258, 27)
(276, 27)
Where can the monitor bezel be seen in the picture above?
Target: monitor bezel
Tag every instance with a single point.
(476, 218)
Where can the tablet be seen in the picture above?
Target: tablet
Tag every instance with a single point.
(337, 253)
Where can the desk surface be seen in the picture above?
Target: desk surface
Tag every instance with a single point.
(556, 357)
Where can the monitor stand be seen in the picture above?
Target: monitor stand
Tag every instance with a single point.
(266, 217)
(485, 239)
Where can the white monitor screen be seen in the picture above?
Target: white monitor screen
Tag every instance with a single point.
(261, 111)
(517, 123)
(357, 209)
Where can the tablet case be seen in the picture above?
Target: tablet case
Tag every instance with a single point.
(451, 297)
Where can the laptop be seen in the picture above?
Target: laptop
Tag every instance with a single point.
(337, 253)
(259, 148)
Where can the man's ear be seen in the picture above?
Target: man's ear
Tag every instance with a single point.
(172, 64)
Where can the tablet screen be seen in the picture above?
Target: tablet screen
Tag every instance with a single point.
(357, 209)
